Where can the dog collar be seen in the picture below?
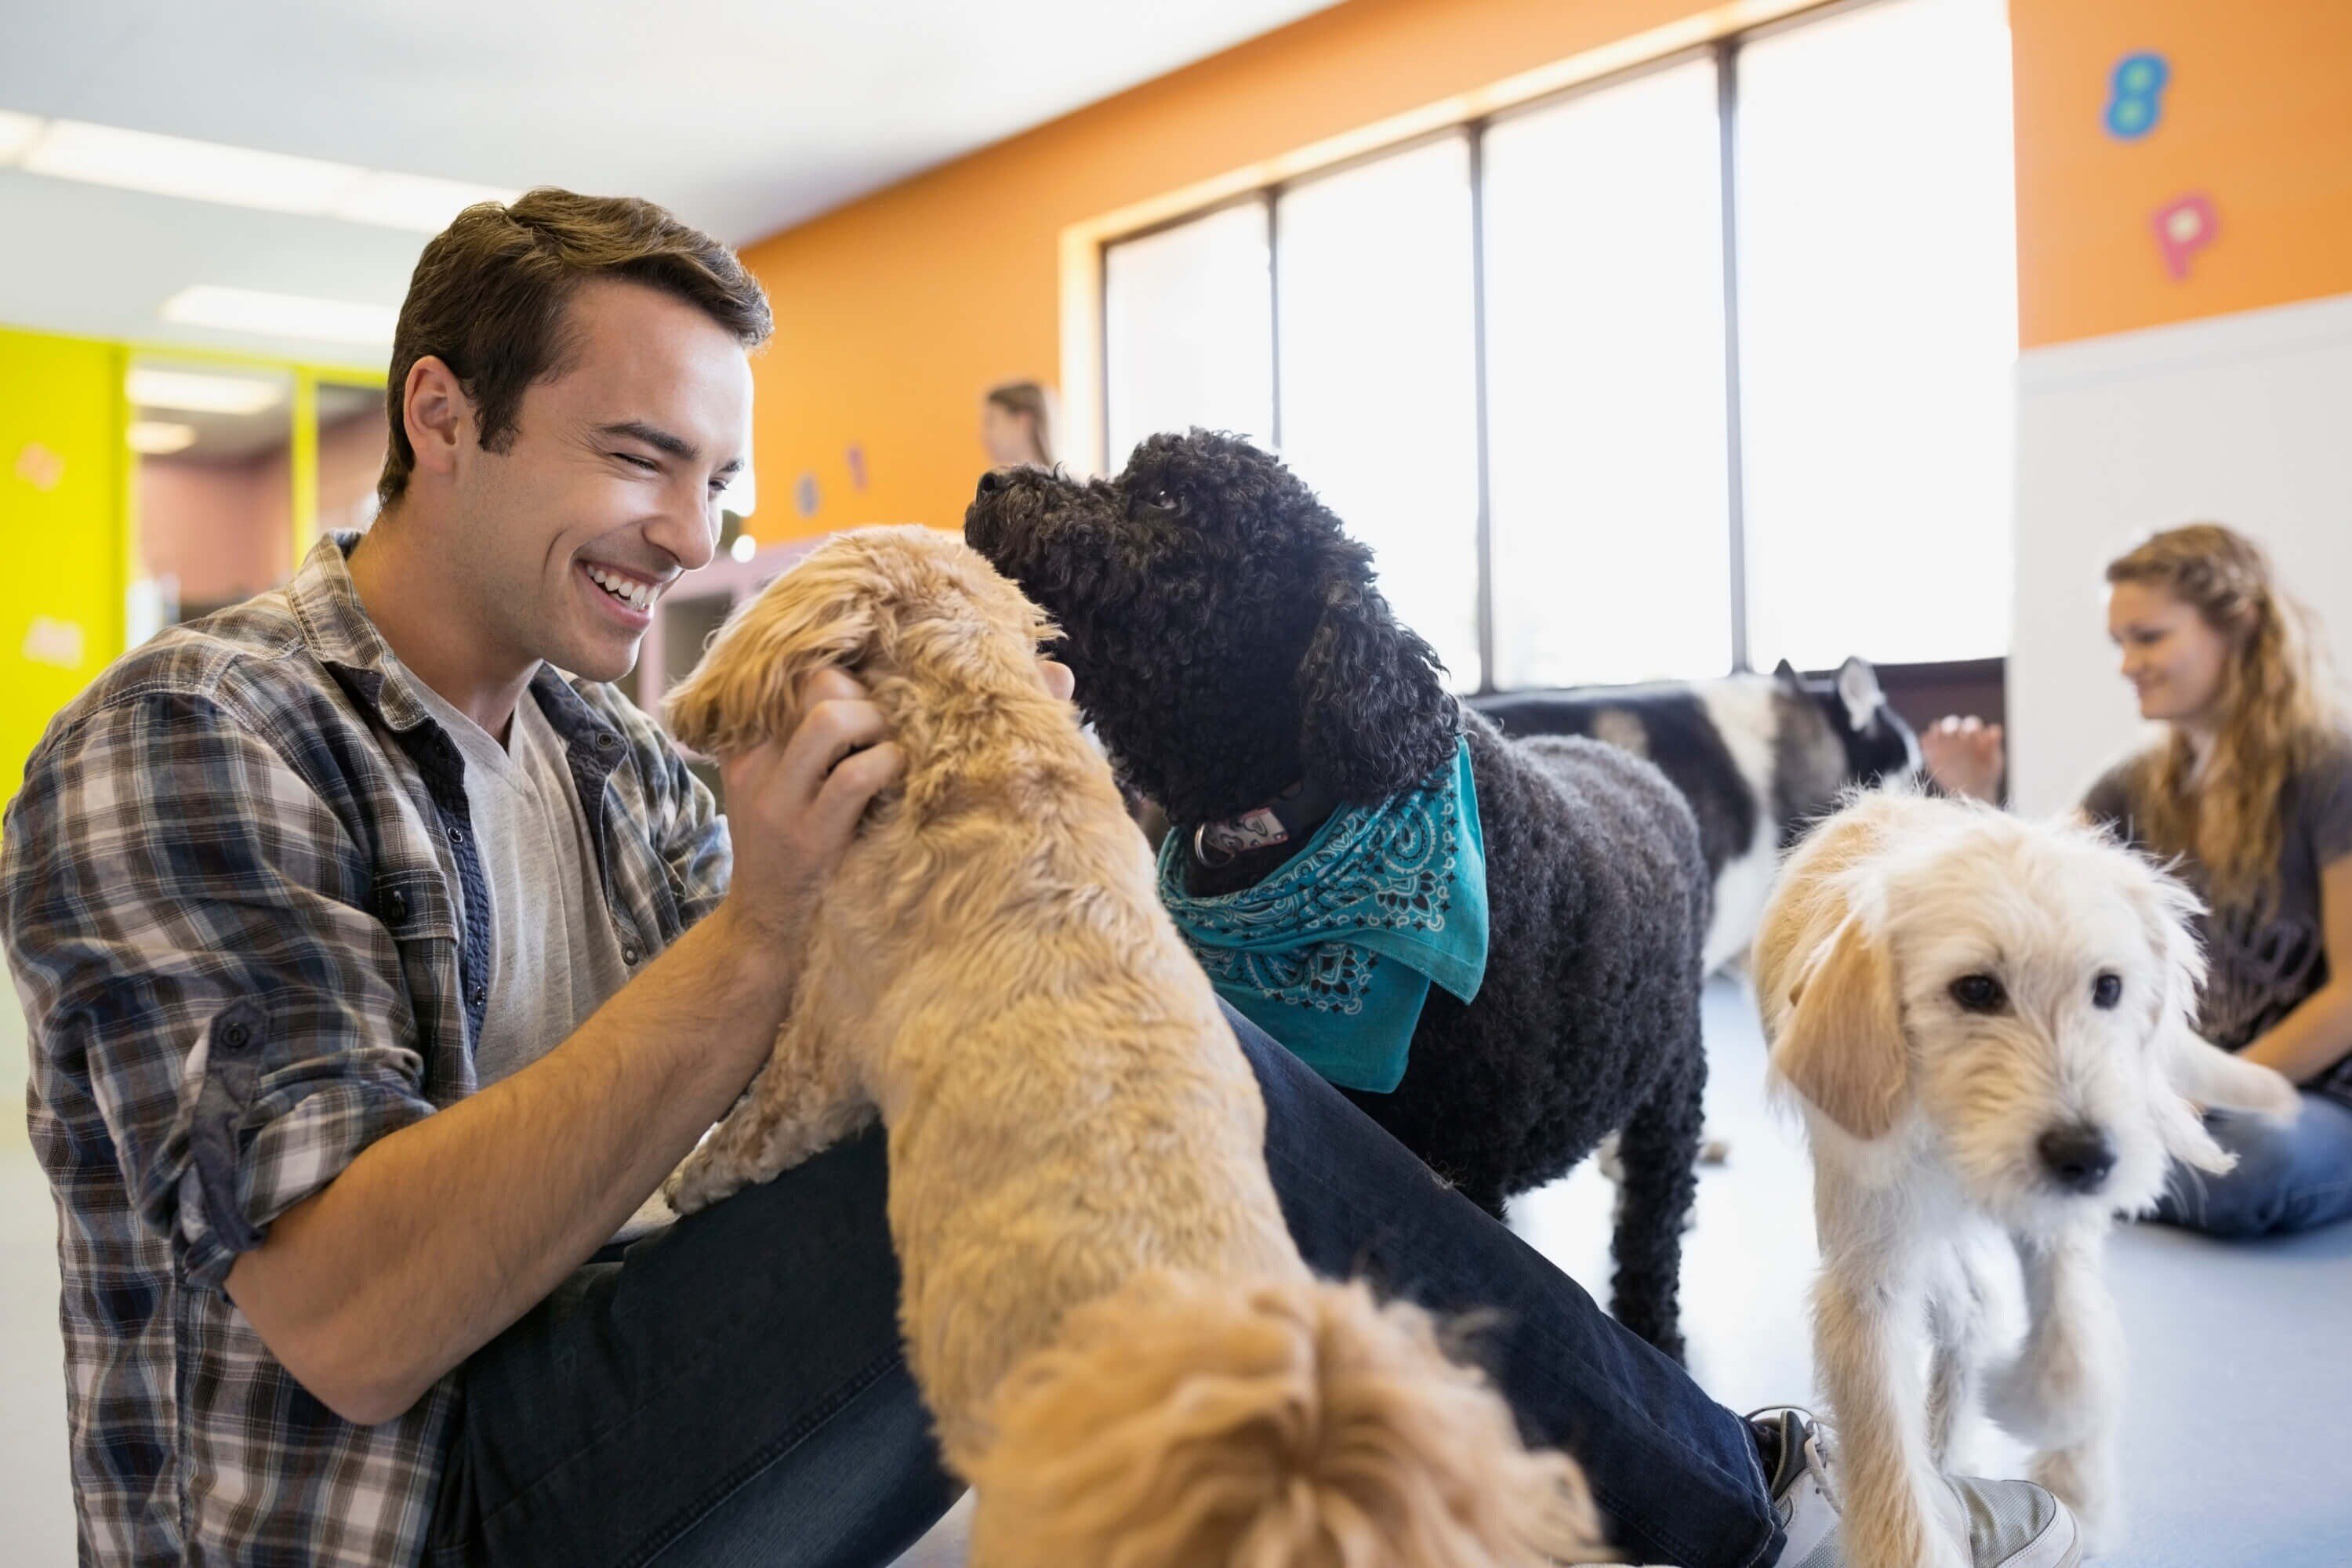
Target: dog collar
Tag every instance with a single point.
(1291, 814)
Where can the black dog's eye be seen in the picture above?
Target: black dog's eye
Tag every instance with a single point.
(1980, 994)
(2106, 990)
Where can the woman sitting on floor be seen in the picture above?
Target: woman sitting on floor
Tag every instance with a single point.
(2251, 786)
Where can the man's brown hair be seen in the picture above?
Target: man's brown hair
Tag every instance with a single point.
(488, 295)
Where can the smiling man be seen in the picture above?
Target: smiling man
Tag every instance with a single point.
(381, 960)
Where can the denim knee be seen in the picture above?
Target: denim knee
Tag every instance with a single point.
(2248, 1200)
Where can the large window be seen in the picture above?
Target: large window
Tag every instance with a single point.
(1694, 368)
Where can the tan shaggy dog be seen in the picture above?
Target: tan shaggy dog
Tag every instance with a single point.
(1125, 1353)
(1987, 1022)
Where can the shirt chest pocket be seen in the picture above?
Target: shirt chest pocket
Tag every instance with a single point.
(415, 906)
(416, 911)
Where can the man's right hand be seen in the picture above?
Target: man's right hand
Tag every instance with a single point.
(794, 804)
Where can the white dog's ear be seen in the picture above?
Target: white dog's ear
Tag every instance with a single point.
(1842, 1044)
(2202, 1073)
(2218, 1080)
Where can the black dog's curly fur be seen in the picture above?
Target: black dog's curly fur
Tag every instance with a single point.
(1229, 644)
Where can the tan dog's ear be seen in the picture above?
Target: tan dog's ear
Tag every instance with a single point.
(1842, 1046)
(747, 688)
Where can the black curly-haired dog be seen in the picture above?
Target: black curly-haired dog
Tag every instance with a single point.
(1230, 646)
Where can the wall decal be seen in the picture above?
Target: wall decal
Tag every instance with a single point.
(805, 495)
(40, 468)
(2184, 226)
(856, 455)
(2136, 102)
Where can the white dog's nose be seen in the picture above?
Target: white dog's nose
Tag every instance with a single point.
(2078, 1158)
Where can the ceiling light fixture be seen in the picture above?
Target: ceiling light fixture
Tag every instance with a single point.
(161, 437)
(411, 201)
(16, 133)
(234, 176)
(196, 393)
(282, 315)
(176, 166)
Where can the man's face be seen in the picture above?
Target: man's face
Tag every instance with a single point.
(612, 480)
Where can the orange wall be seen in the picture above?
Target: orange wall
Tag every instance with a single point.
(893, 314)
(2258, 116)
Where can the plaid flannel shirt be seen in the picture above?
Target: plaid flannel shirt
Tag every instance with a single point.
(229, 893)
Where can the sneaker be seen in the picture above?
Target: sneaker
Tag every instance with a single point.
(2011, 1525)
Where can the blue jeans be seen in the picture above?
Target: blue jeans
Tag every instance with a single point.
(2289, 1178)
(730, 1391)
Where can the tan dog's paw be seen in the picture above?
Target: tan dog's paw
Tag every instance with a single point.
(700, 1181)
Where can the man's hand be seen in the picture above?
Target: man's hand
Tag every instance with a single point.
(794, 805)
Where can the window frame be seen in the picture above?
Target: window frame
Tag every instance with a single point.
(1724, 52)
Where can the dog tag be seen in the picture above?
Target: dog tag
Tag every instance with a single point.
(1256, 829)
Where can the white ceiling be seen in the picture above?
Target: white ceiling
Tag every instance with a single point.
(741, 117)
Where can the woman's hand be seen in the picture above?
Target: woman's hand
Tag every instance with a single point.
(1966, 756)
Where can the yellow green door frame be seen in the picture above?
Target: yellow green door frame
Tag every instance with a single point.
(302, 435)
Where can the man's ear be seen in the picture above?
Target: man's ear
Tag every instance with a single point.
(747, 688)
(1374, 716)
(1842, 1044)
(436, 414)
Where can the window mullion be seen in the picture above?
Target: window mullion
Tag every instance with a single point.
(1727, 102)
(1486, 537)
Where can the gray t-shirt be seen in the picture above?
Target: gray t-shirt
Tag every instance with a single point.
(2262, 963)
(554, 956)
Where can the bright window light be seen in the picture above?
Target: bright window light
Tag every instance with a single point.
(1379, 380)
(16, 133)
(1188, 319)
(1878, 335)
(202, 394)
(161, 437)
(411, 201)
(744, 547)
(1604, 373)
(198, 171)
(282, 315)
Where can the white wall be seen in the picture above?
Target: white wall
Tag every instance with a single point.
(2243, 419)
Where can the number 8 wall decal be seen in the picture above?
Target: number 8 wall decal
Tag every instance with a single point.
(2136, 103)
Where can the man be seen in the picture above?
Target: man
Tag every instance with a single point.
(377, 973)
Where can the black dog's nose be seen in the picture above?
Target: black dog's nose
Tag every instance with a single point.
(2079, 1157)
(991, 481)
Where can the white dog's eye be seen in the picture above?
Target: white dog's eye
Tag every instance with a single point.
(1980, 994)
(2106, 991)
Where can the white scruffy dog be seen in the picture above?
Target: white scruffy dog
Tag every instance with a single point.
(1988, 1023)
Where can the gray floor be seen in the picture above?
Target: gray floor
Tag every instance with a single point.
(2239, 1448)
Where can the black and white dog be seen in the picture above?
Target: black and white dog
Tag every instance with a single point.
(1759, 757)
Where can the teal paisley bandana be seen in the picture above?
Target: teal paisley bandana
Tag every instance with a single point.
(1334, 954)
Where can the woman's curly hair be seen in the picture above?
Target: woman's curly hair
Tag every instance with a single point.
(2277, 706)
